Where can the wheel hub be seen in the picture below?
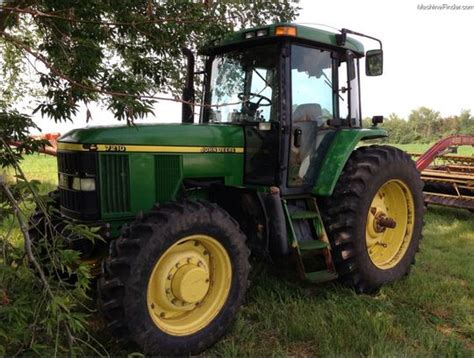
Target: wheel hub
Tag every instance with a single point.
(185, 279)
(382, 222)
(190, 284)
(389, 224)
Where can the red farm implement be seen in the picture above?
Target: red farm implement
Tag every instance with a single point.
(50, 149)
(448, 178)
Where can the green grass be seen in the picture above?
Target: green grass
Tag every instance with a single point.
(39, 167)
(429, 313)
(421, 148)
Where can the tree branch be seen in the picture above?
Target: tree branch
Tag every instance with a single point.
(55, 71)
(38, 13)
(29, 251)
(28, 248)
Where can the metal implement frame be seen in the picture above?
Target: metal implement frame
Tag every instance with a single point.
(449, 179)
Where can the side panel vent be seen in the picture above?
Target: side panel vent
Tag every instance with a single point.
(115, 179)
(168, 176)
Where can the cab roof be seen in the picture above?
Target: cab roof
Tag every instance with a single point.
(272, 31)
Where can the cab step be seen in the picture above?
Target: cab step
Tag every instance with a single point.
(312, 245)
(308, 238)
(321, 276)
(304, 215)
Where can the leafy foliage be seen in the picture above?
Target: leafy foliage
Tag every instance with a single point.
(15, 127)
(121, 53)
(425, 125)
(43, 284)
(41, 316)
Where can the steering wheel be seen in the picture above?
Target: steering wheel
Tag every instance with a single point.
(242, 96)
(251, 107)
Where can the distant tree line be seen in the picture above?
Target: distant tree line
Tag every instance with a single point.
(425, 125)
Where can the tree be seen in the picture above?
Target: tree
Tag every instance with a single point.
(426, 123)
(396, 127)
(120, 53)
(466, 122)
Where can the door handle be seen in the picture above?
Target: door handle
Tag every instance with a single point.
(298, 135)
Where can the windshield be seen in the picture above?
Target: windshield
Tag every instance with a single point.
(312, 90)
(243, 85)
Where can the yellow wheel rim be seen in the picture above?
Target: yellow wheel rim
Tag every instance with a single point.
(390, 222)
(189, 285)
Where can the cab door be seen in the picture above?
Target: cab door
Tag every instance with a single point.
(262, 136)
(312, 106)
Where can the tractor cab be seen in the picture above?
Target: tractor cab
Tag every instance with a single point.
(291, 88)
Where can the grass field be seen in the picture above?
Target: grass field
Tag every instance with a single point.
(421, 148)
(429, 313)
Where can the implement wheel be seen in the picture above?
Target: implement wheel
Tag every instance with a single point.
(374, 217)
(175, 279)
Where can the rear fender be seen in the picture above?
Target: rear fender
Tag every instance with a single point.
(341, 148)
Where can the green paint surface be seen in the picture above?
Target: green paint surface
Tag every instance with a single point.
(340, 149)
(160, 134)
(302, 32)
(131, 182)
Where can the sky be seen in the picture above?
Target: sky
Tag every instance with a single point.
(428, 58)
(428, 54)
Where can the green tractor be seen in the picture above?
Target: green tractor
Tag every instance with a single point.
(274, 168)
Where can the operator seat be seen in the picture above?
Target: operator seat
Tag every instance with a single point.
(308, 117)
(308, 112)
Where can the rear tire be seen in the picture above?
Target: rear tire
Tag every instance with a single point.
(377, 182)
(145, 293)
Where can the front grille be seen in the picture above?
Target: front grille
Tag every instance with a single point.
(115, 183)
(70, 200)
(69, 162)
(80, 205)
(168, 176)
(77, 163)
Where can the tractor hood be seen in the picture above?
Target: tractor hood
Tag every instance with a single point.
(194, 137)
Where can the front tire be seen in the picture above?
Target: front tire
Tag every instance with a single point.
(374, 217)
(175, 279)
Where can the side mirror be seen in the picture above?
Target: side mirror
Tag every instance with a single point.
(374, 63)
(377, 120)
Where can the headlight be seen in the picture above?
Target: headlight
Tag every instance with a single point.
(83, 184)
(249, 35)
(63, 181)
(88, 184)
(76, 183)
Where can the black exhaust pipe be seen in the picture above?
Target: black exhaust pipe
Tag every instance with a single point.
(187, 113)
